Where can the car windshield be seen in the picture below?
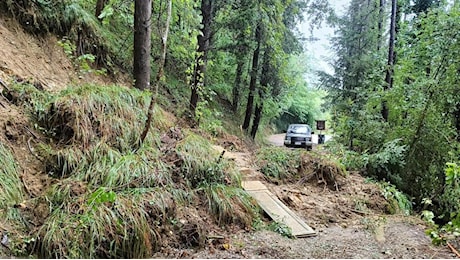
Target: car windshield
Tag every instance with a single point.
(298, 129)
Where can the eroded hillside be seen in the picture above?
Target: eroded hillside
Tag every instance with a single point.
(178, 197)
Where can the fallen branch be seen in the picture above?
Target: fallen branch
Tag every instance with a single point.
(453, 249)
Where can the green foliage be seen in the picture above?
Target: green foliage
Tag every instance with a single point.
(387, 162)
(452, 175)
(101, 195)
(398, 201)
(410, 149)
(281, 229)
(209, 119)
(450, 198)
(278, 162)
(297, 102)
(351, 160)
(426, 90)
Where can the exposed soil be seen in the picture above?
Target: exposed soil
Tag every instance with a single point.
(41, 61)
(352, 222)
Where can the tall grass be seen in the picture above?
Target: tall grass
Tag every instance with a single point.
(105, 224)
(230, 205)
(200, 163)
(115, 202)
(88, 114)
(11, 187)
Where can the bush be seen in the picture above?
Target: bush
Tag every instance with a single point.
(387, 162)
(451, 203)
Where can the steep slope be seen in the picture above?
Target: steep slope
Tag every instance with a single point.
(40, 60)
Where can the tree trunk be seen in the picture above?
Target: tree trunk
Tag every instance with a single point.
(100, 5)
(257, 115)
(142, 42)
(265, 79)
(198, 79)
(160, 74)
(389, 73)
(380, 23)
(253, 82)
(237, 85)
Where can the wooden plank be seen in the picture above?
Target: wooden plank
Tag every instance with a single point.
(276, 209)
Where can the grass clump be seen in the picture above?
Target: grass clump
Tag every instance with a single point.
(11, 188)
(106, 224)
(89, 114)
(230, 205)
(199, 163)
(278, 163)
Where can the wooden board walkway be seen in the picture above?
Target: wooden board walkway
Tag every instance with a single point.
(276, 209)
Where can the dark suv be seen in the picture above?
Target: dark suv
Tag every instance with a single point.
(298, 135)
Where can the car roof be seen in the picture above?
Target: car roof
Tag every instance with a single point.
(299, 125)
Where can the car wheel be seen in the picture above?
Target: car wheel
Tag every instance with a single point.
(309, 148)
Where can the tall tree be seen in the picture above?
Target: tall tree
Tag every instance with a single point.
(380, 22)
(358, 70)
(237, 84)
(254, 75)
(391, 57)
(163, 30)
(240, 25)
(265, 76)
(142, 43)
(204, 38)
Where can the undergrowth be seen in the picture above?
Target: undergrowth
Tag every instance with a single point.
(115, 201)
(442, 233)
(399, 203)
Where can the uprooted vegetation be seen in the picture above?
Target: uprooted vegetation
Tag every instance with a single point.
(299, 166)
(111, 199)
(321, 188)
